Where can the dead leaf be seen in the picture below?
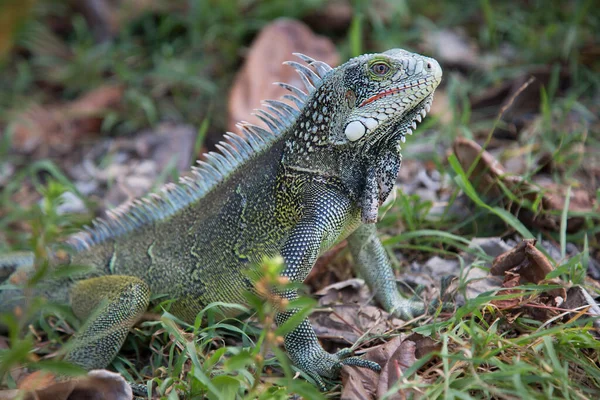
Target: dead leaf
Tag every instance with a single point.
(350, 313)
(97, 384)
(403, 358)
(488, 173)
(345, 323)
(56, 130)
(36, 381)
(361, 383)
(336, 15)
(424, 345)
(580, 201)
(358, 383)
(524, 259)
(524, 264)
(274, 45)
(511, 280)
(395, 356)
(350, 291)
(507, 260)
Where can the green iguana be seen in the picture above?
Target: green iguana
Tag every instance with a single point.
(316, 176)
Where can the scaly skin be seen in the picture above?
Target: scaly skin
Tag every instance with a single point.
(317, 178)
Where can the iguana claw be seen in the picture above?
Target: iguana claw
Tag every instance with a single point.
(345, 358)
(331, 364)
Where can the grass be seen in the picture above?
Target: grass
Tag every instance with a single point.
(176, 66)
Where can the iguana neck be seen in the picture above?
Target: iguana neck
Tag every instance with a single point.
(308, 144)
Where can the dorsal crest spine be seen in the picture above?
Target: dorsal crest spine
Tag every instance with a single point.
(233, 152)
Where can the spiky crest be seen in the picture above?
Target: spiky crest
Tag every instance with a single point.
(232, 153)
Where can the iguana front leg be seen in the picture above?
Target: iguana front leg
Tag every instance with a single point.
(373, 264)
(110, 306)
(323, 220)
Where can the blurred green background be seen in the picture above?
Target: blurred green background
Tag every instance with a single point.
(177, 59)
(129, 66)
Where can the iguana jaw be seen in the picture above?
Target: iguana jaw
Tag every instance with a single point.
(411, 120)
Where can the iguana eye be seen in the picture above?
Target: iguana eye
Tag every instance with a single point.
(380, 68)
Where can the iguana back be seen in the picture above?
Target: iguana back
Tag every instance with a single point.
(198, 254)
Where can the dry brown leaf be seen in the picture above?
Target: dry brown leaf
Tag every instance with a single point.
(349, 291)
(350, 313)
(358, 383)
(335, 16)
(395, 356)
(149, 152)
(274, 45)
(401, 359)
(36, 381)
(511, 280)
(523, 259)
(425, 345)
(3, 342)
(97, 384)
(361, 383)
(581, 200)
(347, 322)
(406, 354)
(524, 264)
(488, 173)
(55, 130)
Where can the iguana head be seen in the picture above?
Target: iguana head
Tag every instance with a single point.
(387, 95)
(370, 102)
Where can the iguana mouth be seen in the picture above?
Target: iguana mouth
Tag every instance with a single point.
(393, 91)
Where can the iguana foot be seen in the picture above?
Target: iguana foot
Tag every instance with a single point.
(412, 308)
(407, 309)
(322, 364)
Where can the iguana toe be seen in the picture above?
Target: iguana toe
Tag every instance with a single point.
(325, 365)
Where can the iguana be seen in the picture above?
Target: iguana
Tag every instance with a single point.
(317, 175)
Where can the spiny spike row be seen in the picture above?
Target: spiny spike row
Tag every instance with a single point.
(233, 152)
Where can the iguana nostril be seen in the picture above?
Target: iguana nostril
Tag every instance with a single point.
(434, 68)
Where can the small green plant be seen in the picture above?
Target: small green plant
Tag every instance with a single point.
(46, 226)
(194, 361)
